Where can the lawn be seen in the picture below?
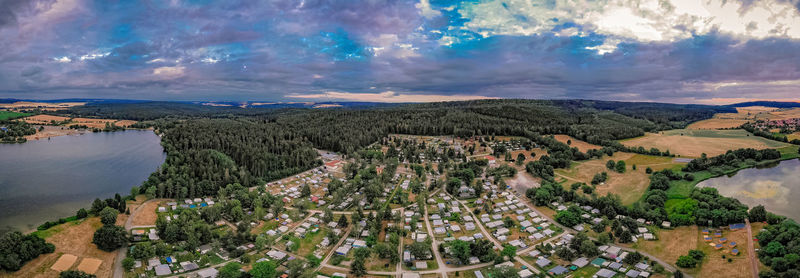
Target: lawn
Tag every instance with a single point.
(10, 115)
(585, 272)
(309, 243)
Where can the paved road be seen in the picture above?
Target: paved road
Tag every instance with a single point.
(751, 250)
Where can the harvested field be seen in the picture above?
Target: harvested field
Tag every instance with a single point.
(629, 186)
(146, 215)
(581, 145)
(40, 105)
(64, 262)
(53, 131)
(89, 265)
(44, 119)
(717, 123)
(693, 143)
(72, 238)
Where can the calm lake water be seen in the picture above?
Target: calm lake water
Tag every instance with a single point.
(776, 187)
(45, 180)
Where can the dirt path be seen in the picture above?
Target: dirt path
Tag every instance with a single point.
(751, 251)
(121, 253)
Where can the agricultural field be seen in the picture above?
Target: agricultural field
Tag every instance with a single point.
(10, 115)
(630, 186)
(745, 115)
(693, 143)
(572, 142)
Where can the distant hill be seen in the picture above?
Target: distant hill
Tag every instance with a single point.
(776, 104)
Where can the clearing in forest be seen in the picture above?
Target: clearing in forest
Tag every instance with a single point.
(693, 143)
(581, 145)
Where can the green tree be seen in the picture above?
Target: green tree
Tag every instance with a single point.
(230, 270)
(358, 268)
(611, 165)
(108, 216)
(508, 250)
(460, 250)
(109, 237)
(128, 263)
(82, 213)
(520, 159)
(620, 168)
(504, 272)
(758, 214)
(686, 262)
(264, 269)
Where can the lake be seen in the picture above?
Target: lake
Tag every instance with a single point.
(45, 180)
(777, 187)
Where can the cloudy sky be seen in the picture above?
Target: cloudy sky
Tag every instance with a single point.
(685, 51)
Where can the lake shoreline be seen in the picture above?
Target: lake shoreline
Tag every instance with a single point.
(51, 179)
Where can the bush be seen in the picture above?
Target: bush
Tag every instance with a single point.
(75, 274)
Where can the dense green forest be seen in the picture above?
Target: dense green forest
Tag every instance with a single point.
(16, 249)
(15, 131)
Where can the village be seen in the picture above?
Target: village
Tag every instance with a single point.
(414, 224)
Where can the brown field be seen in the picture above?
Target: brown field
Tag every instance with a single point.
(693, 143)
(717, 123)
(672, 244)
(146, 215)
(581, 145)
(53, 131)
(793, 136)
(43, 119)
(73, 238)
(65, 262)
(89, 265)
(40, 105)
(629, 186)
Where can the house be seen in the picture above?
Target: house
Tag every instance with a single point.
(615, 265)
(501, 231)
(525, 273)
(469, 226)
(641, 266)
(163, 269)
(605, 273)
(613, 251)
(189, 266)
(343, 250)
(542, 262)
(277, 255)
(478, 274)
(632, 273)
(558, 270)
(492, 160)
(474, 260)
(421, 265)
(580, 262)
(666, 224)
(208, 273)
(648, 236)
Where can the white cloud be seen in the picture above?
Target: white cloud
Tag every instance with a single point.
(638, 20)
(94, 56)
(425, 9)
(64, 59)
(169, 72)
(387, 96)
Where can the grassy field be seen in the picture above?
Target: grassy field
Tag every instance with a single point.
(581, 145)
(630, 186)
(10, 115)
(693, 143)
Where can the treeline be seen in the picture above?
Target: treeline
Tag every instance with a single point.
(16, 249)
(731, 158)
(206, 154)
(15, 131)
(769, 135)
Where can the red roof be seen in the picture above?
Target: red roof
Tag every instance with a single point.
(332, 163)
(489, 157)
